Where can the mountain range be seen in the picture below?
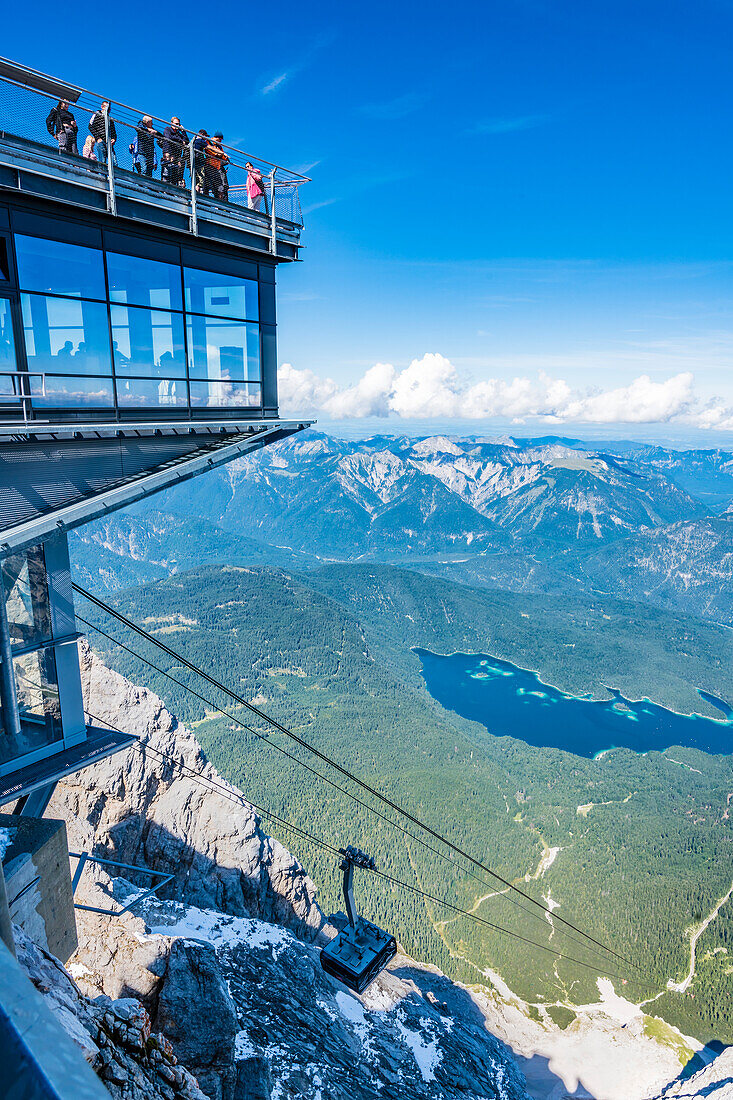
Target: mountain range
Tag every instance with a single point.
(643, 523)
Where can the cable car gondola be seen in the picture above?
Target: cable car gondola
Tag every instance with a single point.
(361, 951)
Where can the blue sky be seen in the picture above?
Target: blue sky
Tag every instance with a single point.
(517, 188)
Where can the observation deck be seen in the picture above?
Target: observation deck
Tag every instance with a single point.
(137, 302)
(32, 162)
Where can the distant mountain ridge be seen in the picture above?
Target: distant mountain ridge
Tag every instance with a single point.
(548, 515)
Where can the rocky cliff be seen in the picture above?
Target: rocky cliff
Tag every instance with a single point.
(221, 976)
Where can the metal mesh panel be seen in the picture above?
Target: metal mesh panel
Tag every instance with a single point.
(187, 160)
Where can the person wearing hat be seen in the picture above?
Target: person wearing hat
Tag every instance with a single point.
(200, 142)
(216, 172)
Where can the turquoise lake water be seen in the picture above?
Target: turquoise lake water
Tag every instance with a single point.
(511, 701)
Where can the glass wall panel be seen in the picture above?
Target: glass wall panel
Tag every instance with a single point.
(223, 394)
(64, 335)
(38, 702)
(25, 586)
(148, 342)
(7, 340)
(56, 268)
(222, 295)
(69, 391)
(137, 282)
(223, 349)
(139, 392)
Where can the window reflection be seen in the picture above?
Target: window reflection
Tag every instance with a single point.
(65, 335)
(151, 391)
(68, 391)
(225, 394)
(25, 587)
(221, 295)
(53, 267)
(223, 349)
(148, 342)
(7, 340)
(133, 281)
(36, 686)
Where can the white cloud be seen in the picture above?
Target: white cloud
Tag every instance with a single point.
(432, 387)
(642, 402)
(369, 397)
(274, 84)
(302, 391)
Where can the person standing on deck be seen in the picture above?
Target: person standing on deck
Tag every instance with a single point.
(98, 124)
(255, 188)
(61, 125)
(146, 139)
(199, 159)
(174, 145)
(216, 162)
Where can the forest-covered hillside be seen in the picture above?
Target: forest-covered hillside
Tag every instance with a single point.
(635, 849)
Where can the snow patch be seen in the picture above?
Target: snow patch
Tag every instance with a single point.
(425, 1051)
(188, 922)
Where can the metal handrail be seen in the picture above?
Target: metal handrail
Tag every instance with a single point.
(128, 153)
(22, 396)
(85, 857)
(297, 176)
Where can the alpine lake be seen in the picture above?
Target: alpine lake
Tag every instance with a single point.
(512, 701)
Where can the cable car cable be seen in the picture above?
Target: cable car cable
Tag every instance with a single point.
(319, 775)
(241, 801)
(179, 658)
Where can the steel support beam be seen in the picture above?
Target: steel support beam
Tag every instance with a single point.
(40, 528)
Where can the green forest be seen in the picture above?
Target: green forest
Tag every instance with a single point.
(645, 842)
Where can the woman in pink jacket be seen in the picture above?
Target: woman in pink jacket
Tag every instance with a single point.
(255, 188)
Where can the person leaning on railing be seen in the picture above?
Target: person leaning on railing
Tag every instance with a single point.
(98, 129)
(215, 177)
(174, 144)
(61, 125)
(143, 147)
(199, 159)
(255, 188)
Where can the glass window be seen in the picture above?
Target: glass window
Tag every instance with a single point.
(223, 349)
(139, 392)
(137, 282)
(52, 267)
(148, 342)
(38, 702)
(223, 393)
(25, 587)
(69, 391)
(221, 295)
(65, 335)
(7, 341)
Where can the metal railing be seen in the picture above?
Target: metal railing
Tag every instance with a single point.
(20, 391)
(122, 143)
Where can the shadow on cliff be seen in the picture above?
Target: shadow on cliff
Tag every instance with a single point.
(198, 880)
(453, 1001)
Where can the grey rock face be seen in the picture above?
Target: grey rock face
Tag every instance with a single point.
(225, 970)
(140, 809)
(115, 1037)
(414, 1034)
(197, 1014)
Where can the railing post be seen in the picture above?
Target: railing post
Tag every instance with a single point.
(273, 219)
(194, 216)
(111, 197)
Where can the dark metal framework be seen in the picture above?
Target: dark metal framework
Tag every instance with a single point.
(85, 857)
(194, 391)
